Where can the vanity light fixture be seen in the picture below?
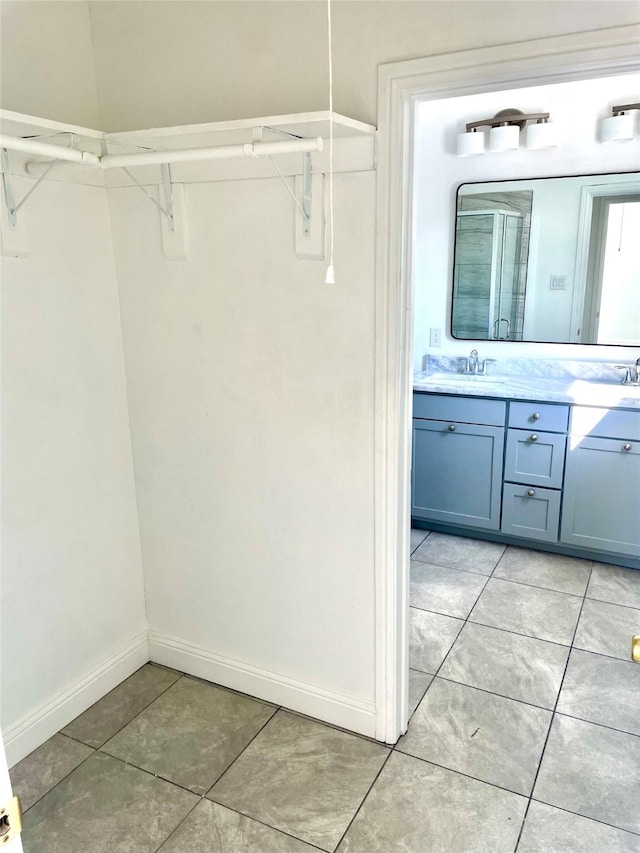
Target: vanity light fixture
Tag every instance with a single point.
(619, 126)
(472, 142)
(505, 132)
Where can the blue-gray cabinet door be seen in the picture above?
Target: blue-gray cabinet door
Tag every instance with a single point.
(601, 504)
(530, 513)
(534, 458)
(457, 473)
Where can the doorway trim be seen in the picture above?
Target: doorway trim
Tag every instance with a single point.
(559, 59)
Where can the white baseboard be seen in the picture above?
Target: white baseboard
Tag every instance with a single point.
(44, 721)
(348, 712)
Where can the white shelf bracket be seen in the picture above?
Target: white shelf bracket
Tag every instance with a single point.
(166, 191)
(173, 213)
(167, 194)
(9, 198)
(309, 200)
(306, 195)
(309, 237)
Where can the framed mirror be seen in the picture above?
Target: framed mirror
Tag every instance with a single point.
(549, 260)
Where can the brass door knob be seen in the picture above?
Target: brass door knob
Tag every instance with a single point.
(635, 649)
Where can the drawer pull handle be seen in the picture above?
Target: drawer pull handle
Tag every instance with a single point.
(536, 416)
(534, 437)
(626, 447)
(452, 428)
(531, 492)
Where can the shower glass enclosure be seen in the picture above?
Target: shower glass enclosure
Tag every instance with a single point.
(490, 274)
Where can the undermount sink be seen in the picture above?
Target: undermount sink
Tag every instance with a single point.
(447, 378)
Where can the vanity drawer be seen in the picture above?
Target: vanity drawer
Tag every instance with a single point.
(545, 416)
(466, 410)
(605, 423)
(530, 512)
(536, 458)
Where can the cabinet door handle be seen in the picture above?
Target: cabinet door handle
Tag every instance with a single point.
(531, 492)
(534, 437)
(452, 428)
(536, 416)
(626, 447)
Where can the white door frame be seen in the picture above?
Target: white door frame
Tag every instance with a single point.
(558, 59)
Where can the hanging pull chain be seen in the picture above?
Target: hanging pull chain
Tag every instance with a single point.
(330, 277)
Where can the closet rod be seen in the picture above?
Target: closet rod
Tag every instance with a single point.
(219, 152)
(46, 149)
(149, 158)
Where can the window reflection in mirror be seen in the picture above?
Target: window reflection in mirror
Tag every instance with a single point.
(548, 260)
(612, 297)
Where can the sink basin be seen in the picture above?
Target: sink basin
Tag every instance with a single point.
(455, 378)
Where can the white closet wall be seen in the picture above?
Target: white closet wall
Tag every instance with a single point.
(251, 388)
(72, 597)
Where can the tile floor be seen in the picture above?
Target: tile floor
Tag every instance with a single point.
(525, 736)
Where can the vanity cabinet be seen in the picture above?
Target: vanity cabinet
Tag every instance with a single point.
(457, 460)
(567, 476)
(602, 482)
(533, 470)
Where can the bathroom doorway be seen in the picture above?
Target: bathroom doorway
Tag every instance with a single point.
(401, 86)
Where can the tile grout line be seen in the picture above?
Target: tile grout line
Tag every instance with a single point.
(204, 796)
(584, 817)
(89, 746)
(467, 620)
(519, 633)
(506, 790)
(251, 818)
(412, 559)
(594, 723)
(177, 784)
(135, 717)
(503, 630)
(553, 715)
(242, 751)
(455, 640)
(179, 824)
(100, 749)
(529, 704)
(570, 647)
(66, 776)
(364, 799)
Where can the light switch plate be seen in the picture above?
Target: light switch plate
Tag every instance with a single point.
(557, 282)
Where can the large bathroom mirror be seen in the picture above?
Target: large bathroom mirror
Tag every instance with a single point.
(551, 260)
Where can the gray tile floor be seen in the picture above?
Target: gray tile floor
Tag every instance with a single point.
(525, 735)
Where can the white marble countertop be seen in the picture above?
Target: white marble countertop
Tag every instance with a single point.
(584, 392)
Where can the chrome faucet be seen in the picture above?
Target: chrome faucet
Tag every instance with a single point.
(472, 363)
(631, 374)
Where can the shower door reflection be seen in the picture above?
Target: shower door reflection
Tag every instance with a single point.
(490, 275)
